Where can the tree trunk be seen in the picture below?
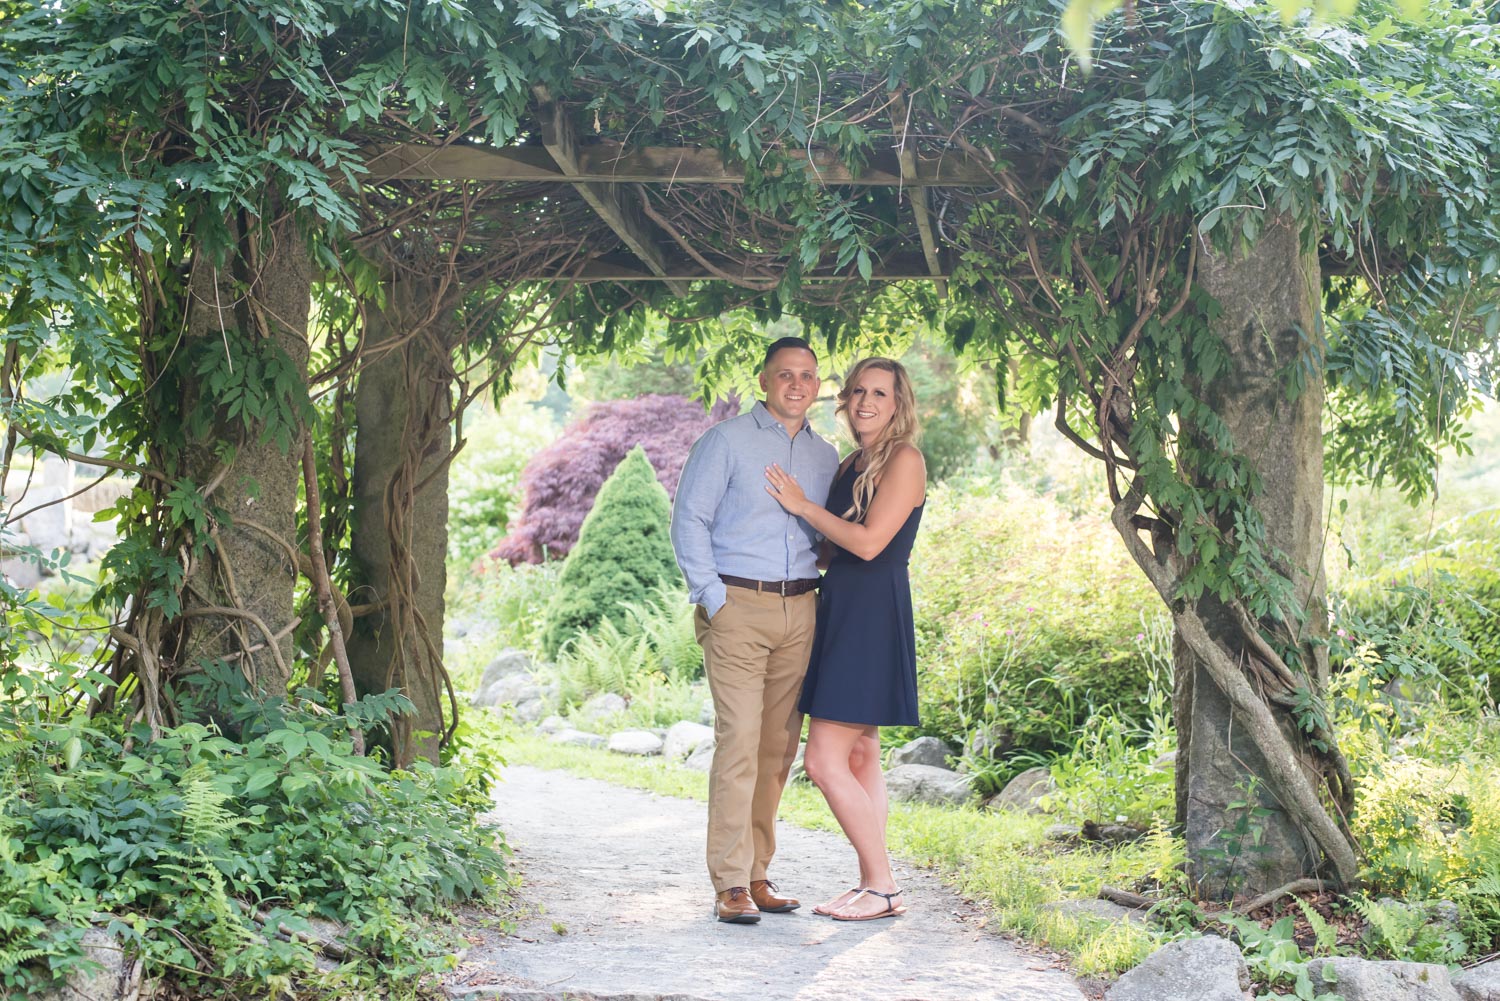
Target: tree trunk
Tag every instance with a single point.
(238, 599)
(400, 521)
(1269, 322)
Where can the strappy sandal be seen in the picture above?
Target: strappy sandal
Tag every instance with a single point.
(825, 910)
(891, 910)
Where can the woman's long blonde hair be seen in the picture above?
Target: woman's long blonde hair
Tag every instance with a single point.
(902, 430)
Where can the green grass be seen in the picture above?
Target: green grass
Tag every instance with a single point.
(999, 859)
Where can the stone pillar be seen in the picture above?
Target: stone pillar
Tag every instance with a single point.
(263, 295)
(1270, 320)
(400, 518)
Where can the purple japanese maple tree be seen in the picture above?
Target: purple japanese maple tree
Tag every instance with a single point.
(561, 480)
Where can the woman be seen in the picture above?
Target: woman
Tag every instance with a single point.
(863, 673)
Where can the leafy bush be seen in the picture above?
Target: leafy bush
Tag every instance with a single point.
(484, 482)
(562, 480)
(652, 660)
(1430, 612)
(623, 552)
(1027, 621)
(197, 844)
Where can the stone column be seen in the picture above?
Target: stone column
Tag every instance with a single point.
(261, 297)
(400, 518)
(1270, 320)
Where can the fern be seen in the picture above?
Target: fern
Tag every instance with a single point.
(1325, 935)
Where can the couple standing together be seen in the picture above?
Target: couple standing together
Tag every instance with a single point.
(751, 531)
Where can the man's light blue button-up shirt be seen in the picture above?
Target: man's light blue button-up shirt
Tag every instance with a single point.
(725, 522)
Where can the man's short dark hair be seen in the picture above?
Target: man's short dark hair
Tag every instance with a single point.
(786, 342)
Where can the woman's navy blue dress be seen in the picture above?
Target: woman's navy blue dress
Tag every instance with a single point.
(863, 667)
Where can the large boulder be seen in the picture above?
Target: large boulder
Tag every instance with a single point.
(509, 690)
(1373, 980)
(577, 738)
(506, 662)
(642, 743)
(552, 724)
(922, 751)
(1022, 793)
(114, 975)
(598, 710)
(530, 710)
(701, 758)
(1196, 969)
(683, 738)
(926, 784)
(1482, 983)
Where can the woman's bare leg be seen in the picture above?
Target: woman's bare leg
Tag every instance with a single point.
(832, 750)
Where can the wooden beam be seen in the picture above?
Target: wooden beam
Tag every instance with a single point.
(625, 268)
(621, 215)
(920, 207)
(613, 164)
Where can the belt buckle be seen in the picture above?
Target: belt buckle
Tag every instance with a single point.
(783, 588)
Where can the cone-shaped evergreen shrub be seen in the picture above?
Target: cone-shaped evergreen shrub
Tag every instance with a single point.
(623, 552)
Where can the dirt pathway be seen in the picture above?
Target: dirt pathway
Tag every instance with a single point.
(623, 911)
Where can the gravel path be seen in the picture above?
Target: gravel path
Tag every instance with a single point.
(619, 907)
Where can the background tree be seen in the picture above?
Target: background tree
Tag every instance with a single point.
(623, 553)
(562, 480)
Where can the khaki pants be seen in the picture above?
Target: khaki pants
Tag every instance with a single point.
(755, 654)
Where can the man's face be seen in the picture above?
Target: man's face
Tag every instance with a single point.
(790, 382)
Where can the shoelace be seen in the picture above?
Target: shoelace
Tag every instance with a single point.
(736, 892)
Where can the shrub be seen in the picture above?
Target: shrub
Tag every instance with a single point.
(484, 485)
(195, 843)
(623, 552)
(562, 480)
(1027, 620)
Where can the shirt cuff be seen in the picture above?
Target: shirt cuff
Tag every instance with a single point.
(714, 598)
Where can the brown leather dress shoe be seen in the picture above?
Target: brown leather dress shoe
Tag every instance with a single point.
(763, 892)
(735, 907)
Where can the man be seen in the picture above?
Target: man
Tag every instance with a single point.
(752, 570)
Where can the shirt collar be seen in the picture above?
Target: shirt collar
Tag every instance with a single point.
(765, 419)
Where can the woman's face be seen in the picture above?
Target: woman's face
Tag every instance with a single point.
(872, 403)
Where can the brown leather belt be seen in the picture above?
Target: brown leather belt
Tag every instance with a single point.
(785, 588)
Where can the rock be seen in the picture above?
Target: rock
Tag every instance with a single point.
(706, 714)
(1022, 792)
(990, 741)
(577, 738)
(508, 690)
(1107, 910)
(683, 739)
(922, 751)
(506, 662)
(926, 784)
(1110, 834)
(1165, 762)
(799, 766)
(599, 709)
(552, 724)
(1482, 983)
(701, 758)
(116, 978)
(1062, 832)
(1372, 980)
(530, 711)
(1196, 969)
(639, 742)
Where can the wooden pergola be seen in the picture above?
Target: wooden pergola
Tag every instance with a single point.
(631, 243)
